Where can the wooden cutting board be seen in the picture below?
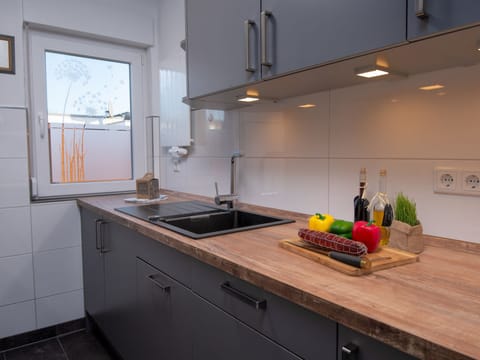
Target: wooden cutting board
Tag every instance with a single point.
(384, 258)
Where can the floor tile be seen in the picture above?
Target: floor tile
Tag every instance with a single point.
(82, 345)
(44, 350)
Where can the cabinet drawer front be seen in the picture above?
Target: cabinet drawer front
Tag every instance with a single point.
(170, 261)
(301, 331)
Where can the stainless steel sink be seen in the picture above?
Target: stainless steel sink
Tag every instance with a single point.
(199, 220)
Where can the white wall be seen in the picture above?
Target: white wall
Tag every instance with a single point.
(308, 160)
(40, 243)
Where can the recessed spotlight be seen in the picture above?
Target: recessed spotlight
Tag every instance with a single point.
(306, 106)
(431, 87)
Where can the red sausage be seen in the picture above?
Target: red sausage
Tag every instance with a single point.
(333, 242)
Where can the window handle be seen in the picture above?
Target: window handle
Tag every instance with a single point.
(41, 124)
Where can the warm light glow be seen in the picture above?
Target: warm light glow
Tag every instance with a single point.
(373, 73)
(253, 93)
(248, 99)
(306, 106)
(431, 87)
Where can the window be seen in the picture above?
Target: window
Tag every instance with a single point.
(87, 117)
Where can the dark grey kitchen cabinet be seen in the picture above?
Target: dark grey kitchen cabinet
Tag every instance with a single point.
(232, 43)
(429, 17)
(217, 34)
(93, 266)
(355, 346)
(220, 336)
(109, 278)
(305, 33)
(164, 312)
(306, 334)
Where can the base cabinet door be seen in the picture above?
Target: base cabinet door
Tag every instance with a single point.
(219, 336)
(93, 266)
(355, 346)
(164, 316)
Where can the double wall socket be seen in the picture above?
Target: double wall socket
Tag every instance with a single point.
(448, 180)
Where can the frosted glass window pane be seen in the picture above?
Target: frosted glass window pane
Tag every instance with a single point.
(89, 118)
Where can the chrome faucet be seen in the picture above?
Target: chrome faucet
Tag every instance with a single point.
(228, 199)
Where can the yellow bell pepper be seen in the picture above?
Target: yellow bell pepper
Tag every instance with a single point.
(320, 222)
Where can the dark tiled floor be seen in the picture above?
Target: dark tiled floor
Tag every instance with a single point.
(75, 346)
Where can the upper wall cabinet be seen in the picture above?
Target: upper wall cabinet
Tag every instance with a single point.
(427, 17)
(222, 44)
(232, 43)
(298, 34)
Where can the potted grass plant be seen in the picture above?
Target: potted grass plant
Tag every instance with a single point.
(406, 231)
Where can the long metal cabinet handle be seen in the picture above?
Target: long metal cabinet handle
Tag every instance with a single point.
(98, 233)
(263, 24)
(420, 9)
(100, 236)
(164, 288)
(248, 66)
(257, 304)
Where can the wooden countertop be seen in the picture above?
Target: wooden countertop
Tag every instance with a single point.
(429, 309)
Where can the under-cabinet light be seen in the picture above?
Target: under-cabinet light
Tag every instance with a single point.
(431, 87)
(247, 98)
(306, 106)
(372, 71)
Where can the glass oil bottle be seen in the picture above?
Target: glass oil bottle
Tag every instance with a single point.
(381, 210)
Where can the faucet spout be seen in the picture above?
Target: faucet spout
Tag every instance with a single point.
(233, 173)
(229, 198)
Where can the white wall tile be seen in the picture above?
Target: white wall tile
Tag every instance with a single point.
(289, 184)
(59, 308)
(16, 279)
(14, 183)
(16, 234)
(17, 318)
(394, 119)
(213, 133)
(55, 225)
(289, 132)
(58, 271)
(13, 133)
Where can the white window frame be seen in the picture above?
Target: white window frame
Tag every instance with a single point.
(39, 42)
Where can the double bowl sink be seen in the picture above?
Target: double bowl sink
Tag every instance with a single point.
(199, 220)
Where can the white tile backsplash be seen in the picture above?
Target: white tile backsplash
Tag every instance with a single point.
(59, 308)
(16, 236)
(17, 318)
(58, 271)
(308, 160)
(16, 279)
(14, 183)
(394, 119)
(55, 225)
(13, 133)
(290, 184)
(213, 133)
(293, 132)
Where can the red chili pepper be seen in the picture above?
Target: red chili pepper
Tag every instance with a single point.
(367, 233)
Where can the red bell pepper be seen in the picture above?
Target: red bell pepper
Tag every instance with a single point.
(367, 233)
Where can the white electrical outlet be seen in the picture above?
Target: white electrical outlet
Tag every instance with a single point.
(445, 180)
(470, 182)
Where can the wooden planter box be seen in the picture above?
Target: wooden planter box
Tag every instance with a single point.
(406, 237)
(147, 187)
